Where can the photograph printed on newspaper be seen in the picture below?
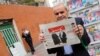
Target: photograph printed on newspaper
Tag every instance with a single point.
(59, 33)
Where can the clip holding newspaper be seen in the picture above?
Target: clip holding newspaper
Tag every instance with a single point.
(59, 33)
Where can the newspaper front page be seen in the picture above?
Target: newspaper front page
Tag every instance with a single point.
(59, 33)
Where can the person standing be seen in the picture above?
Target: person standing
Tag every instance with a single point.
(61, 12)
(26, 34)
(63, 37)
(56, 39)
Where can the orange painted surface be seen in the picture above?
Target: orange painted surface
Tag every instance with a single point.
(27, 16)
(4, 51)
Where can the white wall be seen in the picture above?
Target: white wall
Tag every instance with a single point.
(51, 3)
(2, 1)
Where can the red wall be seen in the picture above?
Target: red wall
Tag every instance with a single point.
(27, 16)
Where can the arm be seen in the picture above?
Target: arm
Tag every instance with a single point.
(84, 38)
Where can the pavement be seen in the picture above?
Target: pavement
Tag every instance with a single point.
(40, 51)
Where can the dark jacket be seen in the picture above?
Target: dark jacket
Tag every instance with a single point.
(27, 36)
(63, 37)
(78, 49)
(56, 39)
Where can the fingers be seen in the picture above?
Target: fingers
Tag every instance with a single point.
(78, 29)
(41, 37)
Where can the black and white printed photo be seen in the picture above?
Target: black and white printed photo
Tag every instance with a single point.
(59, 33)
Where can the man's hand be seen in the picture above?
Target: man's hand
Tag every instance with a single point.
(79, 30)
(41, 37)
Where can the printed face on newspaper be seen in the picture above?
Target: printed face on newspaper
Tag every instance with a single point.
(59, 33)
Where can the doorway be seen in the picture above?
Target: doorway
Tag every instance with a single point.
(11, 39)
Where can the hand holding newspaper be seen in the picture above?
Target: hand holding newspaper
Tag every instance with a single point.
(59, 33)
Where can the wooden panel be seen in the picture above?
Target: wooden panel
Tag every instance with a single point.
(3, 49)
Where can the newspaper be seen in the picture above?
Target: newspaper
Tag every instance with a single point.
(59, 33)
